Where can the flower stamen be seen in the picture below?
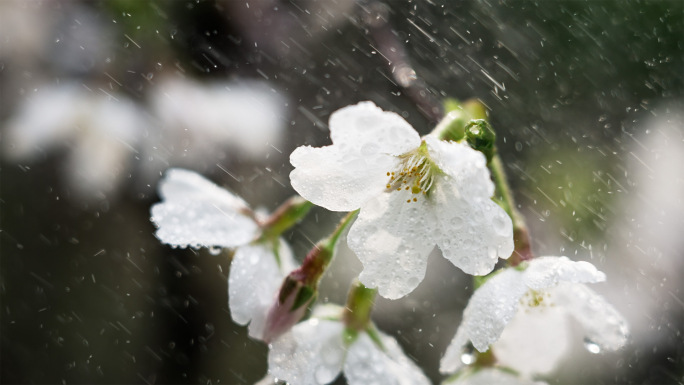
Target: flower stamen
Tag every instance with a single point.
(415, 174)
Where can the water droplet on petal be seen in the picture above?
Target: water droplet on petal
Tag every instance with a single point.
(467, 358)
(592, 346)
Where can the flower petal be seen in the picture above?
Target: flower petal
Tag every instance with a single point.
(369, 129)
(393, 238)
(488, 312)
(466, 167)
(311, 353)
(546, 272)
(534, 341)
(196, 212)
(474, 231)
(339, 179)
(367, 364)
(489, 376)
(253, 283)
(603, 324)
(366, 141)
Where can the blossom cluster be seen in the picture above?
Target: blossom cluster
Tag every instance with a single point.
(406, 195)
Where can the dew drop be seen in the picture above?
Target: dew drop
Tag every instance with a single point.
(214, 250)
(592, 346)
(457, 223)
(467, 358)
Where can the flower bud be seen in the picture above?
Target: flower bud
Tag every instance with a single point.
(300, 287)
(481, 137)
(290, 306)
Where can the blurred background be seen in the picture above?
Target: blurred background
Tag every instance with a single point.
(98, 98)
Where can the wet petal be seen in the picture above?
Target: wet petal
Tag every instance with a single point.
(338, 178)
(393, 238)
(488, 312)
(545, 272)
(366, 141)
(367, 364)
(534, 341)
(196, 212)
(474, 232)
(253, 283)
(467, 168)
(603, 324)
(368, 129)
(311, 353)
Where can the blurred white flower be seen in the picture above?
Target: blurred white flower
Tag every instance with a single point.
(201, 123)
(530, 305)
(101, 130)
(490, 376)
(413, 193)
(197, 213)
(317, 350)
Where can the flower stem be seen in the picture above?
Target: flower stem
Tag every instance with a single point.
(285, 216)
(504, 198)
(360, 301)
(320, 256)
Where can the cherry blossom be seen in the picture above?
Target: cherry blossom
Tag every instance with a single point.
(317, 350)
(414, 193)
(523, 312)
(100, 131)
(197, 213)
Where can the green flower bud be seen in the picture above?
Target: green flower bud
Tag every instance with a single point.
(481, 137)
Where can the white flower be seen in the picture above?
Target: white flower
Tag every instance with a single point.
(491, 376)
(101, 131)
(530, 307)
(201, 123)
(413, 194)
(197, 213)
(314, 352)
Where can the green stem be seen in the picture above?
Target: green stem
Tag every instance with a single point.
(360, 301)
(285, 216)
(320, 256)
(504, 197)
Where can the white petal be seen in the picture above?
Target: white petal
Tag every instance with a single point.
(253, 283)
(603, 324)
(473, 231)
(466, 167)
(311, 353)
(492, 376)
(369, 129)
(546, 272)
(286, 257)
(339, 179)
(367, 364)
(267, 380)
(534, 341)
(393, 238)
(366, 141)
(488, 312)
(196, 212)
(49, 117)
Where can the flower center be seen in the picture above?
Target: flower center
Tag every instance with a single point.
(416, 174)
(536, 299)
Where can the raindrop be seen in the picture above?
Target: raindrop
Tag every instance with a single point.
(467, 358)
(592, 346)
